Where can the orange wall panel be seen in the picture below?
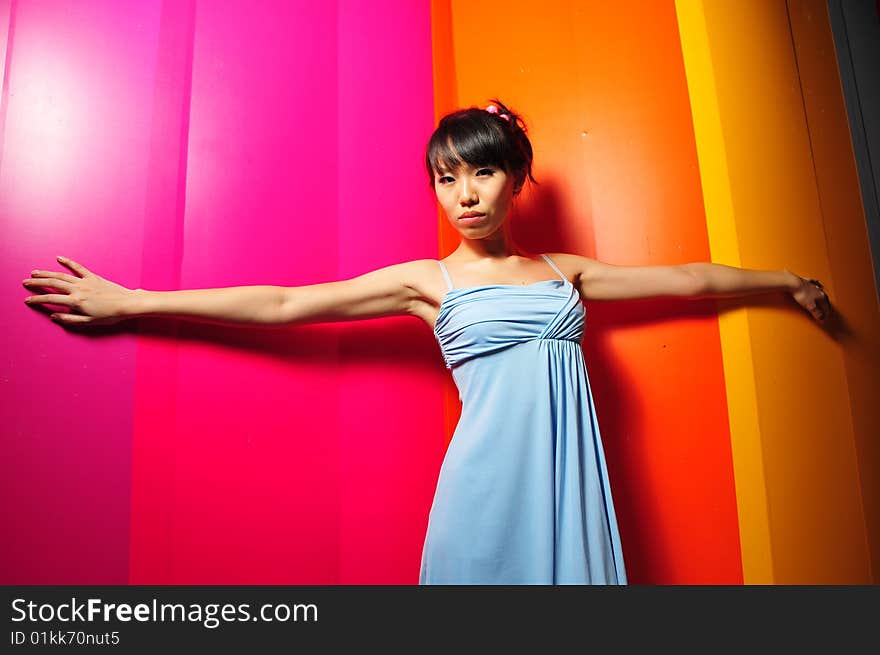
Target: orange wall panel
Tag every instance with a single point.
(849, 256)
(603, 91)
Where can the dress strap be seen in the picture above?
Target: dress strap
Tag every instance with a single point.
(555, 267)
(446, 275)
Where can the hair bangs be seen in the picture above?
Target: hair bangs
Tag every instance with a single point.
(480, 137)
(465, 141)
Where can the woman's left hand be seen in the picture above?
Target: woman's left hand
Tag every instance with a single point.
(811, 296)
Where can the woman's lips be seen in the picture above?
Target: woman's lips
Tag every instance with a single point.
(471, 220)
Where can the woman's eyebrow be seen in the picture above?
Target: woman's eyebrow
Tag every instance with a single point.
(446, 171)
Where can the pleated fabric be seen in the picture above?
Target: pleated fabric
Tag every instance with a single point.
(523, 495)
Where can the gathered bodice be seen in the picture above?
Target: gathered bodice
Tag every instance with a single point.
(479, 320)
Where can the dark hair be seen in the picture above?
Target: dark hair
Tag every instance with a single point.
(481, 138)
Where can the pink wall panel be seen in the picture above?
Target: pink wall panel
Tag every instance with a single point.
(249, 143)
(253, 428)
(152, 488)
(76, 99)
(391, 430)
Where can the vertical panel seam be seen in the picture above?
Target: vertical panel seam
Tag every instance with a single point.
(7, 62)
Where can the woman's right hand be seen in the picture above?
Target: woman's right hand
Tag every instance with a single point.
(811, 296)
(98, 301)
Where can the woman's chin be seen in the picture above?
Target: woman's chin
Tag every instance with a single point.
(475, 231)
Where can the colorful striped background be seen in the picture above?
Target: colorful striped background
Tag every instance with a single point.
(185, 144)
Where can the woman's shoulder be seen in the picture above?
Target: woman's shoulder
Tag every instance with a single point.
(562, 255)
(425, 265)
(419, 272)
(416, 265)
(410, 273)
(574, 266)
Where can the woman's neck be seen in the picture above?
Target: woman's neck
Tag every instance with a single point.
(499, 245)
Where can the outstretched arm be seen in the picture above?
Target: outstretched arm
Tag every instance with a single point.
(600, 281)
(92, 299)
(719, 280)
(388, 291)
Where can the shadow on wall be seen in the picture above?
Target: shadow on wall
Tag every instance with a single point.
(366, 343)
(540, 220)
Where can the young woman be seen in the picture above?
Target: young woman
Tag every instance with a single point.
(523, 495)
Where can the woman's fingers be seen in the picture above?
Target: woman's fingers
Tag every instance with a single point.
(823, 307)
(50, 299)
(49, 283)
(81, 270)
(72, 318)
(43, 275)
(79, 319)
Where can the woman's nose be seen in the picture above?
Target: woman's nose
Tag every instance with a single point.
(468, 194)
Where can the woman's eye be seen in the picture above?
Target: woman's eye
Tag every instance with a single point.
(445, 177)
(485, 170)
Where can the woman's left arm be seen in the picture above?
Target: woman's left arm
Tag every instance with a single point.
(718, 280)
(596, 280)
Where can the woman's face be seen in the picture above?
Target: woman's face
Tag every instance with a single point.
(484, 190)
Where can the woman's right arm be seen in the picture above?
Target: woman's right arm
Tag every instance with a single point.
(245, 304)
(387, 291)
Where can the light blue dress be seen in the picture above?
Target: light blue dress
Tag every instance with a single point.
(523, 495)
